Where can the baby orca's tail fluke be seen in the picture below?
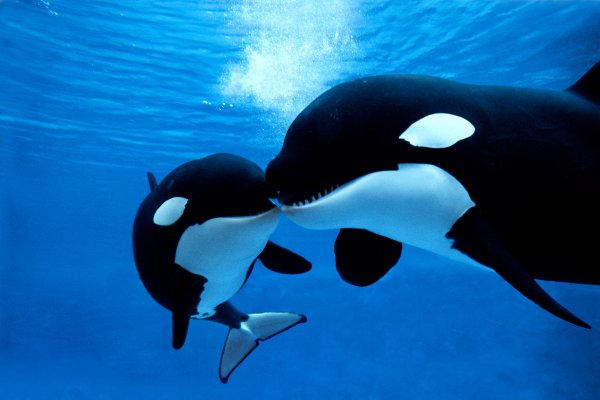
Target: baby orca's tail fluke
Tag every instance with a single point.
(241, 341)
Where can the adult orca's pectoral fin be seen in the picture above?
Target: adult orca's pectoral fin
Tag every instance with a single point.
(284, 261)
(242, 341)
(475, 237)
(363, 257)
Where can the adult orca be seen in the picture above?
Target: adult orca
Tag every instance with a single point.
(501, 177)
(196, 238)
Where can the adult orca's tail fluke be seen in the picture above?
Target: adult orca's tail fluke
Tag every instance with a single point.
(241, 341)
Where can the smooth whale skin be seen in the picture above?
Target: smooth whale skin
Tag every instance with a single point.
(501, 177)
(196, 238)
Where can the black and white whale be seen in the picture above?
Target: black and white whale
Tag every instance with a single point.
(501, 177)
(196, 238)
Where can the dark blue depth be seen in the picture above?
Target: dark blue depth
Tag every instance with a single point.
(95, 94)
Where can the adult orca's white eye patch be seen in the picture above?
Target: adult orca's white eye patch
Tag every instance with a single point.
(170, 211)
(438, 131)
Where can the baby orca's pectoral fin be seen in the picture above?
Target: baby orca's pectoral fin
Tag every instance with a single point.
(476, 238)
(186, 296)
(363, 257)
(181, 323)
(284, 261)
(243, 340)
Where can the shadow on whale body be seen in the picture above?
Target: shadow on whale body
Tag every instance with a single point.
(196, 238)
(501, 177)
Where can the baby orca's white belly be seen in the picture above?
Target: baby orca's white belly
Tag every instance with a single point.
(418, 204)
(222, 250)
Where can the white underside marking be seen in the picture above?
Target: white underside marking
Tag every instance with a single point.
(416, 205)
(221, 250)
(438, 131)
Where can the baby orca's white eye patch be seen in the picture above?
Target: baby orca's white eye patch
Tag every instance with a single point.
(438, 131)
(170, 211)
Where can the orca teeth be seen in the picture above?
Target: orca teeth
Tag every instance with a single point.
(319, 195)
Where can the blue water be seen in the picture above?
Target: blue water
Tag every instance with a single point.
(95, 93)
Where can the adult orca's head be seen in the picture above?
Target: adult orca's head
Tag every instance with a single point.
(360, 127)
(337, 138)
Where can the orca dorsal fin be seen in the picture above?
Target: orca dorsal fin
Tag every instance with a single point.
(152, 181)
(589, 85)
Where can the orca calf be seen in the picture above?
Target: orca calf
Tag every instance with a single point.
(196, 238)
(501, 177)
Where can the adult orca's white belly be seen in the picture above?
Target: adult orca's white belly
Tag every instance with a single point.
(418, 204)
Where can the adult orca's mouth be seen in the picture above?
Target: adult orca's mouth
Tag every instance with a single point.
(304, 197)
(298, 198)
(254, 210)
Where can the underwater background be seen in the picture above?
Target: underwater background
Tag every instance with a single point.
(93, 94)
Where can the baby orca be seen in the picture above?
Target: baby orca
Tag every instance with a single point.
(196, 238)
